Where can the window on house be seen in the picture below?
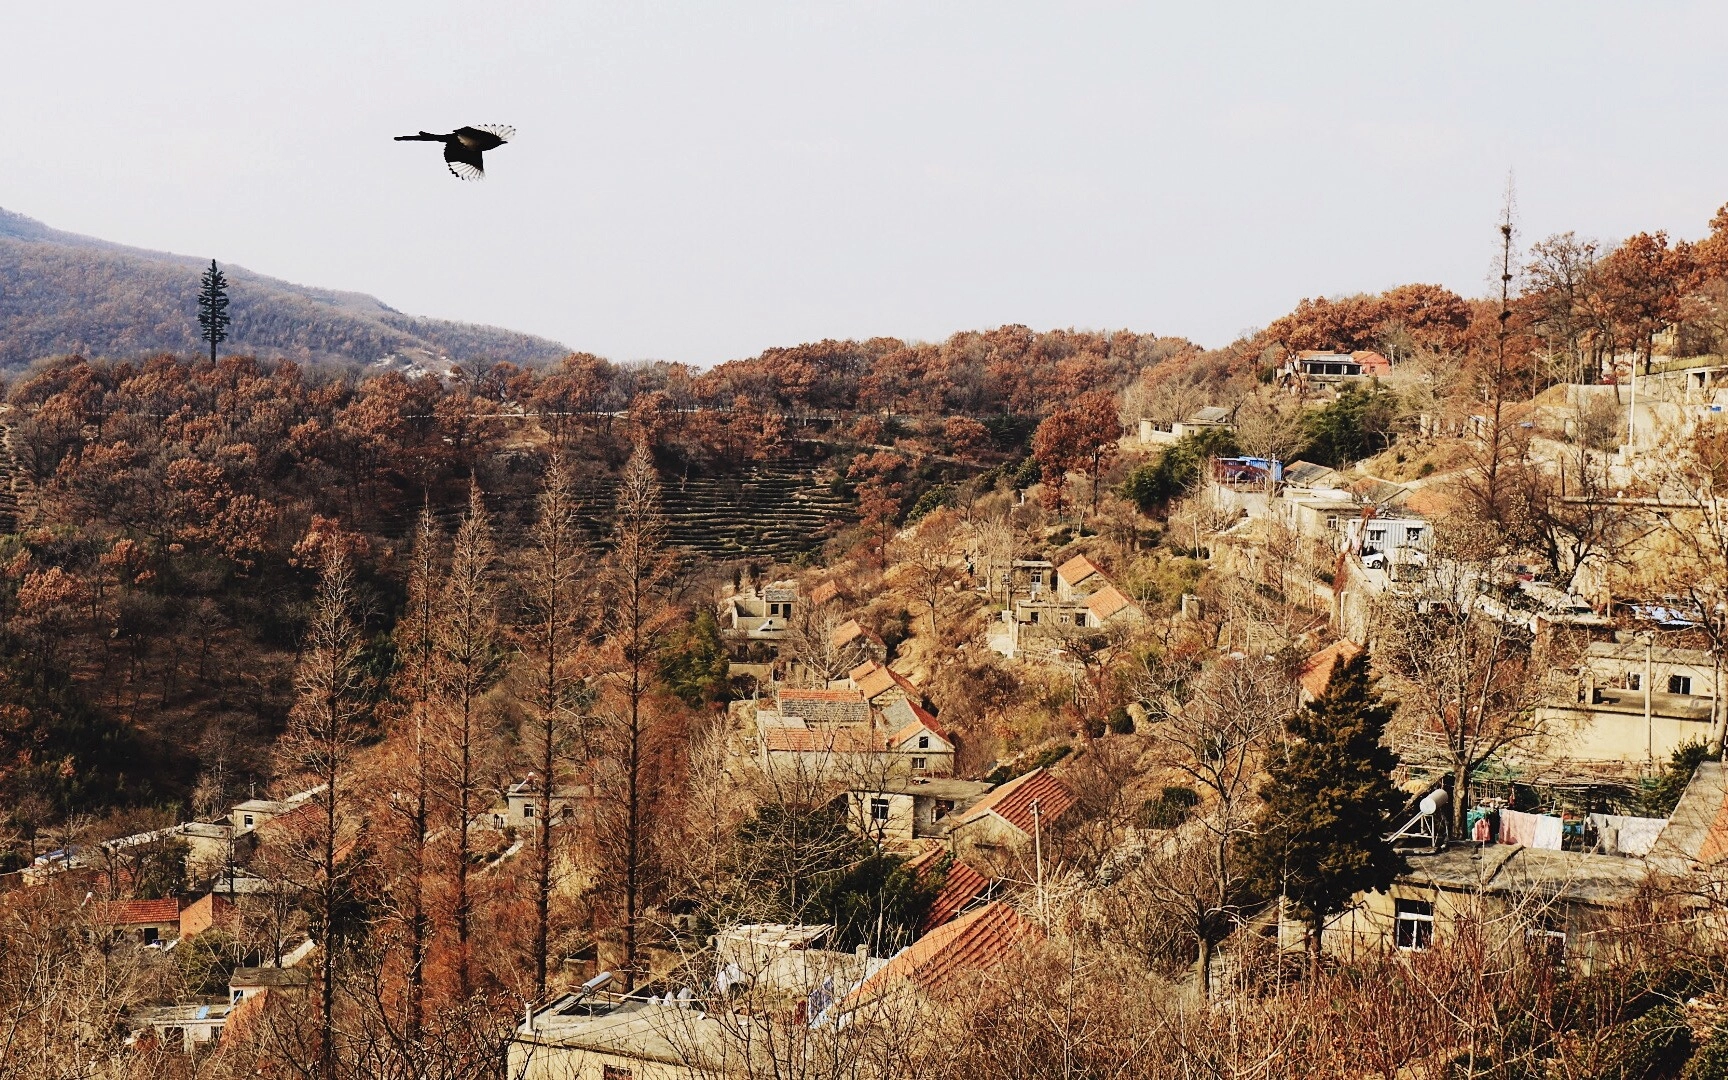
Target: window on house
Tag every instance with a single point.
(878, 809)
(944, 807)
(1376, 536)
(919, 763)
(614, 1072)
(1634, 681)
(1412, 535)
(235, 996)
(248, 820)
(528, 810)
(1034, 618)
(1415, 924)
(1547, 939)
(1332, 522)
(1679, 684)
(923, 742)
(1037, 577)
(567, 813)
(151, 935)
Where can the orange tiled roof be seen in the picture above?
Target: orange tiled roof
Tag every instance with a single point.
(846, 633)
(138, 912)
(823, 593)
(1431, 500)
(1012, 802)
(975, 941)
(1077, 569)
(1107, 602)
(962, 886)
(1317, 669)
(874, 680)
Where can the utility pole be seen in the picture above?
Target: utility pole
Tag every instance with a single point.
(1649, 724)
(1038, 851)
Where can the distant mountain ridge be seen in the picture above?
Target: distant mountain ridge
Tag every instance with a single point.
(64, 293)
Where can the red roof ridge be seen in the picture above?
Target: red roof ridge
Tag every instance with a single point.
(1078, 569)
(1316, 671)
(138, 912)
(980, 939)
(1012, 802)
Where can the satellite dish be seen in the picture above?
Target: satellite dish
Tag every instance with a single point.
(1434, 802)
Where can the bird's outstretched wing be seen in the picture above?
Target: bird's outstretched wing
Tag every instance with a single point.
(504, 131)
(464, 163)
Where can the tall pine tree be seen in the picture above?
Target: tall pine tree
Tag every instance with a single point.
(213, 308)
(1327, 802)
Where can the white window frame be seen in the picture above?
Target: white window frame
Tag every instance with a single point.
(1420, 938)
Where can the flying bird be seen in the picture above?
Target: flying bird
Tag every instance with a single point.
(463, 147)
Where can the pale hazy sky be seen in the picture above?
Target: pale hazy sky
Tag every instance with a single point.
(697, 181)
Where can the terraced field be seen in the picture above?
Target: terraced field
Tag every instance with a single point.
(770, 512)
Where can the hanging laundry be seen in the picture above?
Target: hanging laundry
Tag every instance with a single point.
(1517, 827)
(1483, 831)
(1550, 832)
(1635, 835)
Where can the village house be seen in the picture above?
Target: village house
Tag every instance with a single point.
(851, 739)
(855, 646)
(252, 982)
(590, 1034)
(776, 959)
(1323, 367)
(1555, 896)
(1316, 671)
(760, 615)
(1162, 433)
(1077, 579)
(880, 684)
(1044, 627)
(1634, 703)
(152, 922)
(918, 739)
(254, 813)
(182, 1027)
(1009, 819)
(520, 805)
(900, 810)
(1398, 543)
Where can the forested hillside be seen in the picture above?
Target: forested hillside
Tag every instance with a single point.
(426, 619)
(61, 294)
